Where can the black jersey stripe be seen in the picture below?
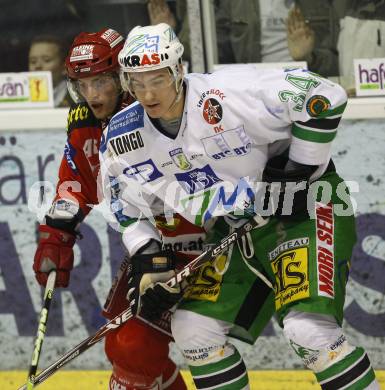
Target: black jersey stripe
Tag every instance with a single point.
(222, 378)
(349, 376)
(253, 303)
(321, 124)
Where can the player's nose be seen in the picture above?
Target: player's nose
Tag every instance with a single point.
(148, 95)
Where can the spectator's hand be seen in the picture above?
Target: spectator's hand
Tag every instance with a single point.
(300, 36)
(159, 12)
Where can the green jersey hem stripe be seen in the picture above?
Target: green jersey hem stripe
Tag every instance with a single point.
(344, 365)
(363, 382)
(215, 368)
(217, 381)
(349, 377)
(239, 383)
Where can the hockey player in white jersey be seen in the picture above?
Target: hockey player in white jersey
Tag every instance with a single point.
(199, 145)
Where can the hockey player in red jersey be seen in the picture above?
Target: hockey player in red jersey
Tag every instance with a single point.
(137, 351)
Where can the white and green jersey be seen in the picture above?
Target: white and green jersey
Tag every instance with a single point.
(234, 120)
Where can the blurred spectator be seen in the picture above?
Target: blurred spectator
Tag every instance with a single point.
(121, 15)
(362, 35)
(160, 12)
(272, 31)
(48, 53)
(22, 19)
(255, 31)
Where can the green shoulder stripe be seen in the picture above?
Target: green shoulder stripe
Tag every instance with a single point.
(335, 111)
(312, 136)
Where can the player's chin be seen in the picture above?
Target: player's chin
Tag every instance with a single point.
(154, 110)
(99, 111)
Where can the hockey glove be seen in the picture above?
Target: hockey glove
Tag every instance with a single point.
(147, 292)
(56, 240)
(54, 251)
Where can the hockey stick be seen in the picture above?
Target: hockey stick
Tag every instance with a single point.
(122, 318)
(48, 294)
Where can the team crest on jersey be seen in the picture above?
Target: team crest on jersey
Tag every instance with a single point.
(317, 104)
(180, 159)
(212, 111)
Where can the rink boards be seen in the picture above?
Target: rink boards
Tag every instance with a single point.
(28, 156)
(98, 380)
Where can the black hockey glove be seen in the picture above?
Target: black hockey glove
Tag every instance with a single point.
(146, 288)
(288, 195)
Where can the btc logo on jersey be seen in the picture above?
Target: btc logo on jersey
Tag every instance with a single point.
(212, 111)
(143, 172)
(228, 143)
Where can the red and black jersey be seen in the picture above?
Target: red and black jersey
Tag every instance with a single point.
(79, 167)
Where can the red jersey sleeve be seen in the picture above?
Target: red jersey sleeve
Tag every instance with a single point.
(79, 167)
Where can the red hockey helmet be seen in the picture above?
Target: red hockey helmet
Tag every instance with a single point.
(93, 53)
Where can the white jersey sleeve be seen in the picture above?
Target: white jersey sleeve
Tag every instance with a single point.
(313, 107)
(130, 205)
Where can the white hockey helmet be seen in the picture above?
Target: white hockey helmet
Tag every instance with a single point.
(150, 48)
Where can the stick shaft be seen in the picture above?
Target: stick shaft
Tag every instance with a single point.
(212, 253)
(48, 294)
(82, 347)
(119, 320)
